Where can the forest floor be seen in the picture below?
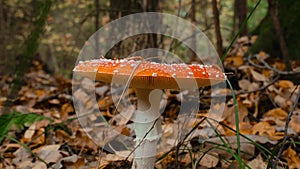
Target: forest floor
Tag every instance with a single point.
(42, 129)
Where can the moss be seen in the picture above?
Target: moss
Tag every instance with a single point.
(289, 18)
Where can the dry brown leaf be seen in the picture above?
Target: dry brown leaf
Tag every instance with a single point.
(245, 128)
(82, 96)
(73, 161)
(262, 55)
(39, 165)
(210, 160)
(295, 121)
(105, 102)
(258, 76)
(267, 73)
(246, 146)
(65, 110)
(263, 128)
(282, 102)
(54, 101)
(292, 158)
(244, 83)
(229, 113)
(166, 161)
(79, 164)
(102, 90)
(236, 61)
(257, 163)
(285, 84)
(29, 133)
(122, 129)
(49, 153)
(115, 157)
(35, 134)
(277, 113)
(124, 116)
(21, 155)
(82, 140)
(40, 94)
(87, 84)
(279, 65)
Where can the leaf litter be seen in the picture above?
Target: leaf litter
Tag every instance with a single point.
(263, 108)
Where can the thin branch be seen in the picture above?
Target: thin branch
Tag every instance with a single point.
(274, 165)
(244, 92)
(267, 66)
(217, 27)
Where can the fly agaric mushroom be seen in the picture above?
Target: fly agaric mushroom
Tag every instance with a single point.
(145, 77)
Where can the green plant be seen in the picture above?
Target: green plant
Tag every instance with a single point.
(18, 121)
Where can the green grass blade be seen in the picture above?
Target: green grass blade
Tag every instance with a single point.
(236, 111)
(239, 32)
(17, 120)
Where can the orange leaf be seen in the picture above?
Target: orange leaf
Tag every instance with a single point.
(277, 113)
(295, 122)
(292, 158)
(286, 84)
(263, 128)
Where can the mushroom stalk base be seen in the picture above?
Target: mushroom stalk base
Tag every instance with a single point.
(147, 128)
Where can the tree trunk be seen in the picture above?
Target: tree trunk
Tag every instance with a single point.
(217, 27)
(273, 9)
(191, 53)
(97, 25)
(151, 6)
(240, 14)
(279, 31)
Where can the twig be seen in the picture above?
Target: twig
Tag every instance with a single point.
(244, 92)
(286, 130)
(267, 66)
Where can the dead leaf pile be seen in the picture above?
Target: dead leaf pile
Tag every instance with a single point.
(262, 103)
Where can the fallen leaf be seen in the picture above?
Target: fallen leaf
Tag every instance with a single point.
(49, 153)
(263, 128)
(73, 161)
(65, 110)
(236, 61)
(209, 160)
(279, 65)
(277, 113)
(229, 113)
(257, 163)
(292, 158)
(262, 55)
(281, 101)
(257, 76)
(105, 102)
(124, 116)
(246, 146)
(285, 84)
(295, 121)
(21, 155)
(54, 101)
(39, 165)
(244, 83)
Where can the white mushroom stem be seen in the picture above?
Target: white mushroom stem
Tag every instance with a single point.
(147, 128)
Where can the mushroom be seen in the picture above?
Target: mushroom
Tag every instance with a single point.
(148, 78)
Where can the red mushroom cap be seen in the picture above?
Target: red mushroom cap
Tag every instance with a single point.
(151, 75)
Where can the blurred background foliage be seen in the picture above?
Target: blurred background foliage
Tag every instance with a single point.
(71, 22)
